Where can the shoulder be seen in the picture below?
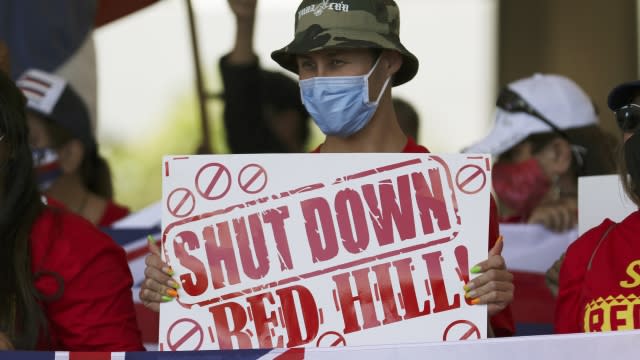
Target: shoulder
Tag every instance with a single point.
(413, 147)
(58, 236)
(112, 213)
(579, 252)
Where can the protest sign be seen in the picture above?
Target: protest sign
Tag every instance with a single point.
(601, 197)
(322, 250)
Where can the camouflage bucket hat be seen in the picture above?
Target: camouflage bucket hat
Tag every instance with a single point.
(347, 24)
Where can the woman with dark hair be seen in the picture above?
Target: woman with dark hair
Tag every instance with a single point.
(51, 260)
(69, 167)
(545, 136)
(600, 277)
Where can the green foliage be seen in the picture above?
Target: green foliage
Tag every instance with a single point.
(136, 168)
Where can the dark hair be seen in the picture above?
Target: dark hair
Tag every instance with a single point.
(629, 152)
(287, 97)
(407, 117)
(600, 146)
(21, 316)
(94, 170)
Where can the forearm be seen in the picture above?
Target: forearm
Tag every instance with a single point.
(5, 344)
(242, 52)
(5, 64)
(490, 332)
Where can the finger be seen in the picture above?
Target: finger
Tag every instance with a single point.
(497, 247)
(489, 287)
(494, 297)
(153, 260)
(493, 262)
(552, 219)
(160, 277)
(487, 277)
(153, 245)
(150, 299)
(152, 290)
(564, 219)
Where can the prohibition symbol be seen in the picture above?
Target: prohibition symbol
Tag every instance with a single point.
(252, 179)
(181, 202)
(471, 179)
(331, 339)
(185, 335)
(213, 181)
(461, 330)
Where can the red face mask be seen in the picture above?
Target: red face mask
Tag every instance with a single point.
(520, 186)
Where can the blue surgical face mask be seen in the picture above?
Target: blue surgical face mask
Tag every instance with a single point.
(47, 166)
(340, 105)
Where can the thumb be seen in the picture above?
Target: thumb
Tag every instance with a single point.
(153, 245)
(497, 247)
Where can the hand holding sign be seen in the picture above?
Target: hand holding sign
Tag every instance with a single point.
(559, 216)
(158, 286)
(5, 344)
(495, 286)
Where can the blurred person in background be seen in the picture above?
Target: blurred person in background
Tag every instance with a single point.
(600, 276)
(263, 112)
(70, 169)
(5, 65)
(545, 136)
(64, 284)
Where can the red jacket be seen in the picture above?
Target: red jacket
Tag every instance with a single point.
(502, 323)
(600, 279)
(93, 309)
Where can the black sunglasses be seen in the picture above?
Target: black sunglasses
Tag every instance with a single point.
(628, 117)
(510, 101)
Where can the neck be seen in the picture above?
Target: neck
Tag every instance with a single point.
(567, 185)
(72, 193)
(381, 134)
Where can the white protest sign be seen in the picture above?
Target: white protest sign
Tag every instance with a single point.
(533, 247)
(601, 197)
(322, 250)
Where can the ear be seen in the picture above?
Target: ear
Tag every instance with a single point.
(391, 61)
(559, 156)
(70, 156)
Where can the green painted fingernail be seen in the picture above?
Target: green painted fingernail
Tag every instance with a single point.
(168, 270)
(476, 269)
(151, 239)
(174, 284)
(166, 298)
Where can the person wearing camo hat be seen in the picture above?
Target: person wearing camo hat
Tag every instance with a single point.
(351, 50)
(348, 55)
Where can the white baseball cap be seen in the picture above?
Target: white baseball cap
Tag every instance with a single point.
(560, 100)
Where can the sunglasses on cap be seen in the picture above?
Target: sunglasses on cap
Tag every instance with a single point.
(510, 101)
(628, 117)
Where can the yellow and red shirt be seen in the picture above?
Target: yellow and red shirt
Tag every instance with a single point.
(600, 280)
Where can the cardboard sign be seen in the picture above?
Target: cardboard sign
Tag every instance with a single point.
(601, 197)
(322, 250)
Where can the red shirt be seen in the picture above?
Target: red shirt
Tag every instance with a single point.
(112, 213)
(93, 310)
(600, 279)
(502, 323)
